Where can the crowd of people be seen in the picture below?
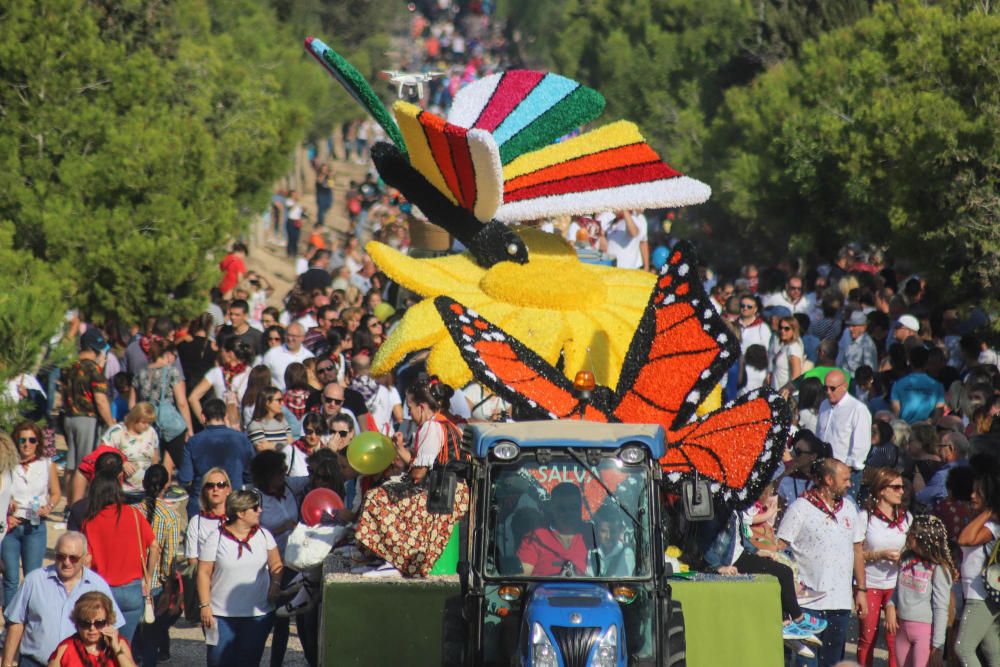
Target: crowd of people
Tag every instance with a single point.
(886, 508)
(887, 505)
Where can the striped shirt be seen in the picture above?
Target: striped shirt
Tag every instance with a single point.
(269, 434)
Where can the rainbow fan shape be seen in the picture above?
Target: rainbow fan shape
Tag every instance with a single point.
(498, 152)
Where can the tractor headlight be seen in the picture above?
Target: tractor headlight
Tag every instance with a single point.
(543, 653)
(506, 451)
(632, 455)
(606, 654)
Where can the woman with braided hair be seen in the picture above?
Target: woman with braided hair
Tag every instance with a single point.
(918, 611)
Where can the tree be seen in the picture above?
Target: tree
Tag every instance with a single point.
(888, 131)
(135, 134)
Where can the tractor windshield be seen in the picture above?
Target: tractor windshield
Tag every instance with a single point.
(570, 517)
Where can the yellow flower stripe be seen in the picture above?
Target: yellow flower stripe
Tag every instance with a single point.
(620, 133)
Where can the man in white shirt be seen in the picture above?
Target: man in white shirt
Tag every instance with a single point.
(846, 424)
(622, 237)
(278, 358)
(823, 533)
(791, 298)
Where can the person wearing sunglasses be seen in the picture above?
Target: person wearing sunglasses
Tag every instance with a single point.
(886, 522)
(786, 353)
(846, 424)
(96, 642)
(35, 491)
(215, 488)
(753, 328)
(269, 429)
(334, 398)
(239, 572)
(218, 446)
(315, 434)
(35, 624)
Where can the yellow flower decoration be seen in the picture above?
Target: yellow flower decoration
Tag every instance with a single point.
(554, 303)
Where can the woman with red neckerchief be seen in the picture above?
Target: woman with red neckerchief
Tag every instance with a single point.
(96, 642)
(315, 433)
(229, 380)
(886, 523)
(215, 488)
(428, 401)
(239, 571)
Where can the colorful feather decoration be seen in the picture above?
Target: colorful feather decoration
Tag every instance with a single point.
(525, 110)
(356, 85)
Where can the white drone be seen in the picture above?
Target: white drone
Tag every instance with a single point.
(411, 80)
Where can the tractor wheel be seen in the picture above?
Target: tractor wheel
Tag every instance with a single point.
(454, 632)
(675, 654)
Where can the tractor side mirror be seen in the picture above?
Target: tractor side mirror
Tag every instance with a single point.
(696, 495)
(441, 486)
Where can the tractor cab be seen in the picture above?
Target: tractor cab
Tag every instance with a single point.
(562, 562)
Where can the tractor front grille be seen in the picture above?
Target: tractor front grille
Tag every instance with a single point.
(575, 643)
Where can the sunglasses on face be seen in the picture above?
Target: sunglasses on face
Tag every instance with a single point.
(311, 431)
(274, 339)
(324, 369)
(216, 485)
(785, 328)
(342, 434)
(331, 399)
(32, 440)
(833, 387)
(894, 487)
(97, 624)
(747, 306)
(70, 558)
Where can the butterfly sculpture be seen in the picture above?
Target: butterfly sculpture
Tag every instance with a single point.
(497, 158)
(680, 350)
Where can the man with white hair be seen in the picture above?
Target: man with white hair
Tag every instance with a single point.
(278, 358)
(38, 616)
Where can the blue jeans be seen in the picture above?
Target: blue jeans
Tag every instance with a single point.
(241, 640)
(834, 638)
(129, 599)
(24, 547)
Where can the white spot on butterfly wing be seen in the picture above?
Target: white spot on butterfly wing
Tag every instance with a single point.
(683, 269)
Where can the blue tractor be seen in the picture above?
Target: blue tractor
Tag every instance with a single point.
(562, 560)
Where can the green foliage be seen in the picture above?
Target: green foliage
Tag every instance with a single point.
(30, 306)
(887, 131)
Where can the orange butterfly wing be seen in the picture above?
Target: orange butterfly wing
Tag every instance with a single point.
(509, 369)
(738, 446)
(679, 352)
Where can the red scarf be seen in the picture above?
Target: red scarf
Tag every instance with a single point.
(229, 372)
(100, 659)
(210, 515)
(300, 444)
(242, 543)
(26, 464)
(812, 495)
(892, 523)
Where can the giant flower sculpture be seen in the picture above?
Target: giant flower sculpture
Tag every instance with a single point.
(554, 304)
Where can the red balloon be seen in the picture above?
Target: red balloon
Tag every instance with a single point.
(319, 503)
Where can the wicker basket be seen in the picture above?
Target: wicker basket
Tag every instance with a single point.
(425, 236)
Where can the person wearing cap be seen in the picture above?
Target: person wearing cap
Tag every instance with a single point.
(906, 326)
(917, 396)
(83, 392)
(859, 350)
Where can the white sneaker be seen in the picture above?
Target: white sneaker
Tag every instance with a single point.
(807, 596)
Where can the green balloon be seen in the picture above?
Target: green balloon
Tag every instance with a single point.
(370, 453)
